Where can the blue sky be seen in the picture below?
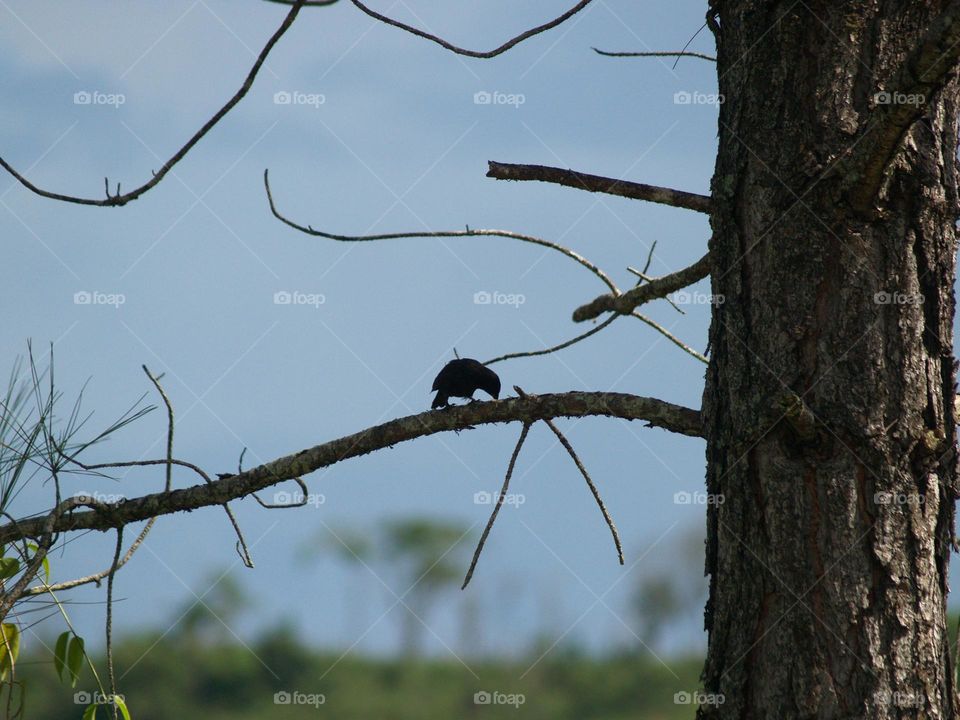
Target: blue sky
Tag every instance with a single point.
(387, 138)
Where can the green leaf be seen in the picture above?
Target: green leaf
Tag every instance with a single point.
(91, 712)
(120, 703)
(60, 653)
(46, 562)
(9, 567)
(9, 648)
(75, 657)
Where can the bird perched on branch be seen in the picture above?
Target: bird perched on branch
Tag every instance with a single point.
(462, 378)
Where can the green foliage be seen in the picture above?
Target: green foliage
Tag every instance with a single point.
(9, 648)
(237, 682)
(68, 656)
(9, 567)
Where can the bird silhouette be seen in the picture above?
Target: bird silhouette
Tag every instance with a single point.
(462, 378)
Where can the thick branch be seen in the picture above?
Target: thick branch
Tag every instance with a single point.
(658, 413)
(909, 95)
(657, 288)
(597, 183)
(118, 199)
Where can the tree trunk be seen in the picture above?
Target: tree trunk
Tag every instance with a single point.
(829, 402)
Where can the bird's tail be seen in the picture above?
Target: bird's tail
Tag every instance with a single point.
(440, 401)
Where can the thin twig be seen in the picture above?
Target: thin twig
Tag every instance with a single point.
(307, 3)
(646, 265)
(474, 53)
(439, 233)
(701, 56)
(277, 506)
(166, 401)
(643, 276)
(561, 346)
(143, 463)
(118, 199)
(241, 542)
(284, 506)
(598, 183)
(670, 336)
(113, 572)
(586, 476)
(496, 508)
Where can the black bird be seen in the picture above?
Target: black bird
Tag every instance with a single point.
(462, 378)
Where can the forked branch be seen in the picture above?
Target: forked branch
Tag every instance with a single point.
(118, 199)
(656, 288)
(657, 413)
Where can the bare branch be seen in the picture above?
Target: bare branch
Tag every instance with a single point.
(118, 200)
(586, 476)
(306, 3)
(921, 77)
(597, 183)
(109, 623)
(657, 288)
(474, 53)
(561, 346)
(643, 276)
(241, 542)
(670, 336)
(135, 545)
(496, 507)
(166, 401)
(284, 506)
(439, 233)
(701, 56)
(657, 413)
(46, 527)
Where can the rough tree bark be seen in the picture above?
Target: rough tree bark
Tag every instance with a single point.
(829, 402)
